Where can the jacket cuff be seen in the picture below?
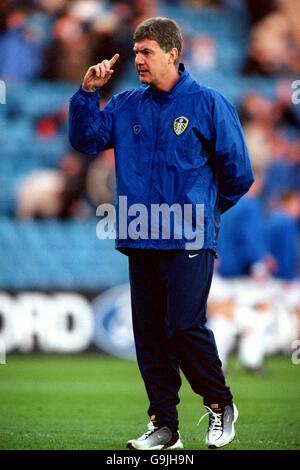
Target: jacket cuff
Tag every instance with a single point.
(91, 94)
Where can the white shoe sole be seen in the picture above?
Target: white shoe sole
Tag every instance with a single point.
(135, 445)
(231, 437)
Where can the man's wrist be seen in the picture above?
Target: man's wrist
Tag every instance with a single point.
(89, 90)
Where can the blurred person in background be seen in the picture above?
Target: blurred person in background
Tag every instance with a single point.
(220, 314)
(241, 313)
(156, 162)
(257, 118)
(254, 320)
(143, 9)
(272, 134)
(40, 195)
(284, 168)
(285, 328)
(100, 184)
(203, 53)
(69, 51)
(54, 193)
(274, 46)
(22, 44)
(241, 246)
(281, 234)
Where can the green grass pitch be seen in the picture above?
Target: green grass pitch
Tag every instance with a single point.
(92, 401)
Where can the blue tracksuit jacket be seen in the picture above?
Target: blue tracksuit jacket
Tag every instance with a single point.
(184, 146)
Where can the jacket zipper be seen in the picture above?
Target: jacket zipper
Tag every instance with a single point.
(152, 163)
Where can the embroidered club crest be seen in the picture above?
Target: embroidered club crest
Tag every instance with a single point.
(180, 124)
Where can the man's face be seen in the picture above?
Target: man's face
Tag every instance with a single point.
(152, 63)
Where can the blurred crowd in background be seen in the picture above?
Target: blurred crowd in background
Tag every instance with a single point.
(249, 50)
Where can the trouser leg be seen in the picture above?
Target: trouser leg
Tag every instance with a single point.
(188, 283)
(156, 361)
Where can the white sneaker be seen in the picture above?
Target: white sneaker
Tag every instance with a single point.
(221, 425)
(156, 438)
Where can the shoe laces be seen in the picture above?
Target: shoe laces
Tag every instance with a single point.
(151, 429)
(215, 420)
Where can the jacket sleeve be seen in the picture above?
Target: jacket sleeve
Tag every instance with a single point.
(230, 154)
(90, 129)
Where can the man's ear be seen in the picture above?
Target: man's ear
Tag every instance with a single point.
(173, 55)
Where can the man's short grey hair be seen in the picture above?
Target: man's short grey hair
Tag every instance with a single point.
(164, 31)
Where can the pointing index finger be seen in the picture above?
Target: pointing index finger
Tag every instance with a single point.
(114, 59)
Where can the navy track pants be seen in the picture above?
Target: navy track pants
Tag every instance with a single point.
(169, 291)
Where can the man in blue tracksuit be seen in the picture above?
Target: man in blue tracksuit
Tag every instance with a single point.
(181, 161)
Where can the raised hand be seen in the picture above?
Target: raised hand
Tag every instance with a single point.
(99, 74)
